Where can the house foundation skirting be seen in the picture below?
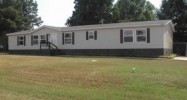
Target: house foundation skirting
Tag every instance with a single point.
(99, 52)
(30, 52)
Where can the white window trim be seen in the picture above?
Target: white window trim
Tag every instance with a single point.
(89, 35)
(41, 38)
(67, 38)
(35, 39)
(140, 35)
(21, 40)
(133, 35)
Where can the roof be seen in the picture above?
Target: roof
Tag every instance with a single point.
(31, 31)
(121, 25)
(102, 26)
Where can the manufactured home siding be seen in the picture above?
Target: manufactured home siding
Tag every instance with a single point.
(110, 39)
(168, 40)
(106, 39)
(168, 37)
(28, 46)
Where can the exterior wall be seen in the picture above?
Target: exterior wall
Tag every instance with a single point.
(110, 39)
(107, 43)
(13, 40)
(106, 39)
(168, 40)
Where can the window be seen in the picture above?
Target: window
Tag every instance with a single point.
(68, 38)
(43, 39)
(91, 35)
(141, 35)
(21, 40)
(35, 40)
(128, 35)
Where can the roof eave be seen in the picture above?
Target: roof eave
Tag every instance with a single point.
(171, 25)
(12, 34)
(111, 27)
(43, 27)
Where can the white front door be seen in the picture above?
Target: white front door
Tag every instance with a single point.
(54, 39)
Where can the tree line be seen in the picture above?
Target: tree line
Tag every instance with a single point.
(105, 11)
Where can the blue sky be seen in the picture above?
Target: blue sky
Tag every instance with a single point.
(56, 12)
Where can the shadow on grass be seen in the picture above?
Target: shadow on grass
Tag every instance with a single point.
(119, 57)
(82, 56)
(3, 53)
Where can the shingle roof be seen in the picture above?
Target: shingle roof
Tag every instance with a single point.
(118, 25)
(103, 26)
(31, 31)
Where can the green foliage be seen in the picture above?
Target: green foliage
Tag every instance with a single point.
(29, 14)
(91, 12)
(10, 20)
(17, 15)
(103, 11)
(177, 11)
(173, 55)
(133, 10)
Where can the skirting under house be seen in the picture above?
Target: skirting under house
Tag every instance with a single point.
(133, 39)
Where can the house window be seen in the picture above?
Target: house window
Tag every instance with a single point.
(91, 35)
(35, 40)
(68, 38)
(43, 39)
(128, 35)
(21, 40)
(141, 35)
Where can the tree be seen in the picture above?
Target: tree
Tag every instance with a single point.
(29, 14)
(177, 11)
(17, 15)
(91, 12)
(133, 10)
(10, 20)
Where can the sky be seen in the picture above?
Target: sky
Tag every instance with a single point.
(56, 12)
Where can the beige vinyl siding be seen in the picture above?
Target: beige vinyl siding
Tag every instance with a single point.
(106, 39)
(110, 39)
(168, 37)
(13, 40)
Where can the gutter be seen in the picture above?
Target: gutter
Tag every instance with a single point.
(111, 27)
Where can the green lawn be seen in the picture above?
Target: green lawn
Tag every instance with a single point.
(78, 78)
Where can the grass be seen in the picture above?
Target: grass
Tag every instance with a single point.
(78, 78)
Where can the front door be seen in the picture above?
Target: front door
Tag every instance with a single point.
(54, 39)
